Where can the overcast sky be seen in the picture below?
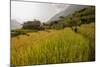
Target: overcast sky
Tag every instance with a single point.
(24, 11)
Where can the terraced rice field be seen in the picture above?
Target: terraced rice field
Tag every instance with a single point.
(54, 46)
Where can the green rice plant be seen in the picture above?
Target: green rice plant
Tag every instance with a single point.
(56, 46)
(88, 31)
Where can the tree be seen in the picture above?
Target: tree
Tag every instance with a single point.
(35, 24)
(61, 17)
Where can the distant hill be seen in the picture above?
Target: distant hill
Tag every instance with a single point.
(85, 15)
(15, 24)
(68, 11)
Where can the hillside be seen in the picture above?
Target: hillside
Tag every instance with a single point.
(85, 15)
(71, 9)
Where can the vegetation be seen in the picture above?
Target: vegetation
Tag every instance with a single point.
(56, 46)
(84, 16)
(18, 32)
(88, 31)
(56, 42)
(32, 24)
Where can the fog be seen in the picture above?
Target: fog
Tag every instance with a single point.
(25, 11)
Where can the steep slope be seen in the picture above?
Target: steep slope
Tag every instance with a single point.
(71, 9)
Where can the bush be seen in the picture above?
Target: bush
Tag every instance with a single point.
(36, 24)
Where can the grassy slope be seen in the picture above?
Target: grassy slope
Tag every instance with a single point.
(54, 46)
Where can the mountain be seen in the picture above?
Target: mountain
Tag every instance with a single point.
(15, 24)
(71, 9)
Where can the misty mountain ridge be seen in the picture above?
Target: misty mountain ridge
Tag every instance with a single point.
(15, 24)
(68, 11)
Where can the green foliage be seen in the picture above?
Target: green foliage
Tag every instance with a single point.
(35, 24)
(84, 16)
(57, 26)
(18, 32)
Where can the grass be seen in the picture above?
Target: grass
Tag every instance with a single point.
(88, 31)
(18, 32)
(55, 46)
